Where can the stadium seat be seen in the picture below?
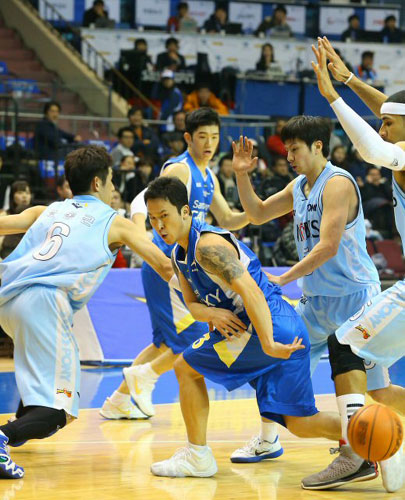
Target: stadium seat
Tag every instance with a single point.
(393, 253)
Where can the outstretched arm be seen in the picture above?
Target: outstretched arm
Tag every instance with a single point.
(20, 223)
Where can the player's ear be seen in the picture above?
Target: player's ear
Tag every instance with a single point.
(185, 211)
(187, 138)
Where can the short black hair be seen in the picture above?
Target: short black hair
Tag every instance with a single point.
(397, 97)
(168, 188)
(200, 118)
(98, 2)
(353, 16)
(122, 131)
(140, 40)
(367, 53)
(281, 7)
(49, 104)
(171, 40)
(182, 5)
(372, 167)
(390, 18)
(223, 158)
(83, 164)
(134, 110)
(308, 129)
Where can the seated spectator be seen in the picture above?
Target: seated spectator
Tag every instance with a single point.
(124, 147)
(63, 189)
(203, 96)
(146, 142)
(179, 121)
(338, 157)
(124, 172)
(218, 21)
(48, 138)
(175, 144)
(390, 33)
(117, 203)
(95, 13)
(266, 57)
(166, 96)
(285, 249)
(132, 62)
(274, 143)
(365, 70)
(276, 25)
(143, 176)
(183, 22)
(278, 181)
(353, 33)
(227, 181)
(171, 59)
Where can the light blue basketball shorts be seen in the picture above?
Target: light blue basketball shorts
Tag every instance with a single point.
(377, 331)
(46, 357)
(324, 315)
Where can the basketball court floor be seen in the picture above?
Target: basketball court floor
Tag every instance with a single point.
(104, 460)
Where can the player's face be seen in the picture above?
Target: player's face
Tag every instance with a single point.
(392, 128)
(204, 142)
(300, 156)
(165, 220)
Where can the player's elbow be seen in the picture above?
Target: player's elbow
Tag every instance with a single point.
(330, 249)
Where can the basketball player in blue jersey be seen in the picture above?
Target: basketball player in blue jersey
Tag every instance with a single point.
(257, 336)
(376, 331)
(64, 256)
(174, 328)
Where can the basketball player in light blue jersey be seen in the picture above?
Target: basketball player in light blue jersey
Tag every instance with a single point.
(64, 256)
(257, 336)
(174, 328)
(376, 331)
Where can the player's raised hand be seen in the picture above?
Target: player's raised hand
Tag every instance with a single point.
(284, 351)
(242, 161)
(336, 66)
(227, 323)
(322, 74)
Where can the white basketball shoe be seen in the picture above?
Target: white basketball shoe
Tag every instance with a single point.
(392, 471)
(126, 410)
(141, 388)
(185, 462)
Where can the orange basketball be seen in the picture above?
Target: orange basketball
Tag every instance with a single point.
(375, 432)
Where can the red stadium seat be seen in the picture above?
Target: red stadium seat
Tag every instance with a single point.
(393, 253)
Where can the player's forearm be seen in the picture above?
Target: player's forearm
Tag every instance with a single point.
(155, 258)
(234, 220)
(199, 312)
(371, 97)
(259, 314)
(251, 203)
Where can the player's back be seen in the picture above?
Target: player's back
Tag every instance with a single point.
(67, 248)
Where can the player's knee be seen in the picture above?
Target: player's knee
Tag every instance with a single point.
(183, 369)
(342, 359)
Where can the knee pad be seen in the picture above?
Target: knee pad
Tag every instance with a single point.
(342, 359)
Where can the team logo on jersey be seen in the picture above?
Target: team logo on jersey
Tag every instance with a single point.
(307, 229)
(65, 392)
(363, 330)
(312, 208)
(77, 205)
(198, 184)
(70, 215)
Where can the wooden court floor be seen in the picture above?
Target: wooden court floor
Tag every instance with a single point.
(105, 460)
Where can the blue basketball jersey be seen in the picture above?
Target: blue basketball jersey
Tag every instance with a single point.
(210, 289)
(352, 269)
(67, 248)
(399, 210)
(200, 190)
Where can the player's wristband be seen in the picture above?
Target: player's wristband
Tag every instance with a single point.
(348, 80)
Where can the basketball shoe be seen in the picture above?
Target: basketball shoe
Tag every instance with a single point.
(348, 467)
(256, 450)
(8, 468)
(186, 462)
(392, 471)
(129, 411)
(140, 387)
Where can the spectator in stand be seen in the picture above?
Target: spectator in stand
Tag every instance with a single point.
(365, 70)
(353, 33)
(183, 22)
(357, 167)
(95, 13)
(179, 121)
(390, 33)
(227, 181)
(266, 57)
(174, 139)
(274, 143)
(171, 59)
(117, 204)
(280, 178)
(124, 147)
(285, 249)
(132, 62)
(338, 157)
(63, 189)
(203, 96)
(48, 138)
(143, 176)
(276, 25)
(146, 142)
(166, 96)
(218, 21)
(124, 172)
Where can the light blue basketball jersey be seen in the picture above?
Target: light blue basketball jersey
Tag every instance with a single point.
(211, 290)
(352, 269)
(399, 210)
(67, 248)
(200, 191)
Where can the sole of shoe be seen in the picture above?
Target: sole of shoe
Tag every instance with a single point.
(336, 484)
(208, 473)
(258, 458)
(113, 416)
(131, 383)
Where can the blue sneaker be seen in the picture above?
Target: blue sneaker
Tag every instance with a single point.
(256, 450)
(8, 469)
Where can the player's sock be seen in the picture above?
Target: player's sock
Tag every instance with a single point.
(348, 404)
(149, 372)
(268, 431)
(38, 422)
(119, 398)
(197, 450)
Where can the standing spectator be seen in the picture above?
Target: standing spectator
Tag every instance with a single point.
(390, 33)
(266, 57)
(365, 70)
(274, 143)
(143, 176)
(227, 181)
(338, 157)
(95, 13)
(276, 25)
(48, 138)
(353, 33)
(124, 147)
(204, 97)
(63, 189)
(217, 21)
(167, 96)
(183, 22)
(171, 58)
(146, 142)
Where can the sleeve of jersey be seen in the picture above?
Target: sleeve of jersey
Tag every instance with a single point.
(138, 205)
(372, 148)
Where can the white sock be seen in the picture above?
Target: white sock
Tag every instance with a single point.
(268, 431)
(118, 398)
(149, 372)
(348, 404)
(198, 450)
